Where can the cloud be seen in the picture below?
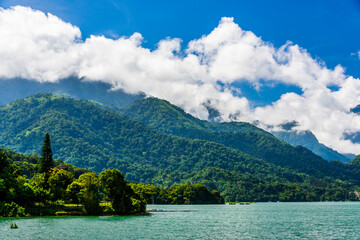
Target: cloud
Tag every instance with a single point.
(34, 45)
(42, 47)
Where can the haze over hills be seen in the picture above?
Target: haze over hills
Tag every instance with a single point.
(90, 136)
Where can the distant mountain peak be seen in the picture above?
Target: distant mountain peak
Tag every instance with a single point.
(307, 139)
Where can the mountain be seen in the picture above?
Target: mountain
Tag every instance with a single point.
(244, 137)
(12, 89)
(308, 140)
(89, 136)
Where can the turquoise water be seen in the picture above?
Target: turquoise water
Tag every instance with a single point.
(256, 221)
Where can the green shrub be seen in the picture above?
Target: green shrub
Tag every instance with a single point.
(12, 210)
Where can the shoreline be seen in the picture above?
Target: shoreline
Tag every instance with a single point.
(150, 211)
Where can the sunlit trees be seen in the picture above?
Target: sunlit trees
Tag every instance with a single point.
(89, 194)
(73, 192)
(117, 190)
(58, 183)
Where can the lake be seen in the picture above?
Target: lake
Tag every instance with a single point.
(318, 220)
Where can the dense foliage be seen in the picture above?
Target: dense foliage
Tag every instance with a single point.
(245, 137)
(181, 194)
(117, 190)
(29, 164)
(87, 135)
(355, 161)
(20, 195)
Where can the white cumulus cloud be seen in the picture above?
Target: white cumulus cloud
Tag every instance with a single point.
(42, 47)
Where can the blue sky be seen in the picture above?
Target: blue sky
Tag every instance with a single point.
(327, 29)
(234, 55)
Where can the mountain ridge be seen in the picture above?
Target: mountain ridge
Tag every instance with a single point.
(87, 135)
(17, 88)
(245, 137)
(307, 139)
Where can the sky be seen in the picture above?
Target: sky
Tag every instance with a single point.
(258, 61)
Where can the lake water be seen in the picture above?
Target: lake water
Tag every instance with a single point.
(330, 220)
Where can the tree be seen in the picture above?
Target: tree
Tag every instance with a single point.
(46, 160)
(58, 183)
(73, 192)
(117, 190)
(89, 194)
(146, 192)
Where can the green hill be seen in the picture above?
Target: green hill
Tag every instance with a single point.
(245, 137)
(92, 137)
(89, 136)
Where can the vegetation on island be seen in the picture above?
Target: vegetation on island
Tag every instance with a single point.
(52, 190)
(242, 162)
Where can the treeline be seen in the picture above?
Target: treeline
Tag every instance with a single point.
(46, 188)
(182, 194)
(20, 195)
(235, 186)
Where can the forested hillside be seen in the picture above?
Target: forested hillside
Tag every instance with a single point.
(245, 137)
(92, 137)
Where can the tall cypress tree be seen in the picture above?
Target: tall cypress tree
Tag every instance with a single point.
(46, 160)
